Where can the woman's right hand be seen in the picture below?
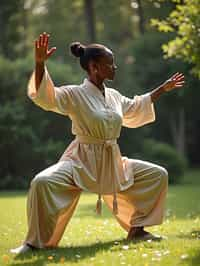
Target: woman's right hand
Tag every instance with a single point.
(42, 52)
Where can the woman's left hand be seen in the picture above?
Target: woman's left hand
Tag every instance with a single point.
(176, 81)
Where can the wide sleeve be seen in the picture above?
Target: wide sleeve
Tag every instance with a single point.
(137, 111)
(49, 97)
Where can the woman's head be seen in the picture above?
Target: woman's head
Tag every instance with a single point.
(96, 59)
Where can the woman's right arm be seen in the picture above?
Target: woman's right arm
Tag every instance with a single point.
(41, 89)
(42, 53)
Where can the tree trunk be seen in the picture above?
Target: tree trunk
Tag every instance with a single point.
(141, 17)
(178, 131)
(90, 19)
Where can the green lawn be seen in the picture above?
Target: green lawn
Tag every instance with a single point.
(93, 240)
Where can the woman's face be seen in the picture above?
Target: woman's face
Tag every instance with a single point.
(105, 67)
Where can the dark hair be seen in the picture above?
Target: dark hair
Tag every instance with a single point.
(88, 53)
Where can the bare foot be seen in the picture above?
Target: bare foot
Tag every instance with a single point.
(22, 249)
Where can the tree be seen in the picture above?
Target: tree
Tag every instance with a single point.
(140, 15)
(12, 23)
(176, 110)
(184, 21)
(90, 19)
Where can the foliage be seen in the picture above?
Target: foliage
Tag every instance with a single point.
(184, 21)
(42, 135)
(12, 21)
(145, 69)
(166, 156)
(26, 131)
(22, 150)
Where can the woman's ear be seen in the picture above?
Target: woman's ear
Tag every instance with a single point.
(93, 67)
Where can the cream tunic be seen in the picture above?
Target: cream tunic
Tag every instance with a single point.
(96, 121)
(135, 190)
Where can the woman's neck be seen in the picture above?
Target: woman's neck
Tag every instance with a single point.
(98, 83)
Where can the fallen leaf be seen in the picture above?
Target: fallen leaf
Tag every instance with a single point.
(144, 255)
(166, 252)
(125, 247)
(5, 258)
(184, 256)
(155, 259)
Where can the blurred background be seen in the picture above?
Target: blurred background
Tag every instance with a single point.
(151, 40)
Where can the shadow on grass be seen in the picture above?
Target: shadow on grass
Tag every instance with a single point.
(71, 254)
(13, 193)
(195, 259)
(195, 234)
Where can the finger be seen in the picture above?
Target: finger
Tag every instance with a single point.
(51, 51)
(180, 79)
(179, 86)
(36, 44)
(40, 40)
(45, 39)
(179, 83)
(180, 76)
(175, 75)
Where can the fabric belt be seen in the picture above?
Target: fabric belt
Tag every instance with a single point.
(109, 144)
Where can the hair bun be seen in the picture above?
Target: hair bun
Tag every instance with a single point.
(77, 49)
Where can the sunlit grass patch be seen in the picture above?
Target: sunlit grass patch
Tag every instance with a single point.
(90, 239)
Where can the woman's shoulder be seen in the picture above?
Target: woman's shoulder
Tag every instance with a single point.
(114, 92)
(69, 89)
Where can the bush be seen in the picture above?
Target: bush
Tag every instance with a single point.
(31, 139)
(166, 156)
(23, 152)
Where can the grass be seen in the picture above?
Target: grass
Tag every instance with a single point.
(93, 240)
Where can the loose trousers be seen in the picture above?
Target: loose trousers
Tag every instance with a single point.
(53, 197)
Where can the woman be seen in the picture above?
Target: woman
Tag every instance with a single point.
(134, 190)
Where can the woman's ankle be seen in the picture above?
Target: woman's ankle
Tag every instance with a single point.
(30, 246)
(135, 232)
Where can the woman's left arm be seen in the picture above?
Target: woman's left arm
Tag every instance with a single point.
(174, 82)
